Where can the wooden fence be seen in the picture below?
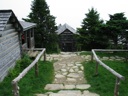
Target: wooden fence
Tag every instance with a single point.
(25, 71)
(119, 77)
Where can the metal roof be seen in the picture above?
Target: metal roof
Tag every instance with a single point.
(4, 17)
(64, 27)
(27, 25)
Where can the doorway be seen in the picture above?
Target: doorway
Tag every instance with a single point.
(67, 47)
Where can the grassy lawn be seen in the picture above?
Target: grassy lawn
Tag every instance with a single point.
(30, 84)
(86, 53)
(106, 54)
(104, 83)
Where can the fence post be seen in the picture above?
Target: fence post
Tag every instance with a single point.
(116, 93)
(96, 70)
(92, 57)
(15, 89)
(45, 55)
(36, 70)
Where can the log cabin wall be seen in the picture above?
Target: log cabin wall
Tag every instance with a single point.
(9, 49)
(67, 41)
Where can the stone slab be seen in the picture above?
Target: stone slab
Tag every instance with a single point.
(71, 92)
(69, 86)
(91, 94)
(40, 95)
(71, 80)
(83, 86)
(54, 87)
(60, 76)
(73, 75)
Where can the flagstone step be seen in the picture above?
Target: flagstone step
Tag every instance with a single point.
(69, 93)
(66, 86)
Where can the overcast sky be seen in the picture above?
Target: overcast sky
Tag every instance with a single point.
(71, 12)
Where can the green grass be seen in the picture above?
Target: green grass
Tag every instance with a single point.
(104, 83)
(30, 84)
(86, 53)
(107, 54)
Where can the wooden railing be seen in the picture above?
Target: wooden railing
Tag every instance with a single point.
(119, 77)
(25, 71)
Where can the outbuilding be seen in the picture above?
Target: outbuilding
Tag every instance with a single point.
(15, 36)
(67, 41)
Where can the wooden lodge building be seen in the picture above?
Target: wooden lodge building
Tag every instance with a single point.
(67, 42)
(14, 37)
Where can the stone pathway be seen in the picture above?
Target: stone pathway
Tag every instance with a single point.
(69, 77)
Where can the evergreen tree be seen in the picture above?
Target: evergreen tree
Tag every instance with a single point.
(117, 26)
(91, 34)
(45, 35)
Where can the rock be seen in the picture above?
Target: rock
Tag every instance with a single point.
(85, 92)
(63, 70)
(65, 73)
(82, 68)
(105, 58)
(83, 86)
(78, 64)
(73, 75)
(71, 70)
(71, 92)
(59, 76)
(69, 86)
(71, 80)
(40, 95)
(90, 94)
(54, 87)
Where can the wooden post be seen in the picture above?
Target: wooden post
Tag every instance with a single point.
(36, 70)
(92, 57)
(15, 89)
(45, 55)
(96, 70)
(116, 93)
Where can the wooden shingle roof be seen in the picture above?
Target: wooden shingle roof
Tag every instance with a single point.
(64, 27)
(5, 16)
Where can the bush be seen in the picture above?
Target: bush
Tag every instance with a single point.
(21, 64)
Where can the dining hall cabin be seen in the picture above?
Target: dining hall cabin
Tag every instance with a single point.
(15, 36)
(67, 40)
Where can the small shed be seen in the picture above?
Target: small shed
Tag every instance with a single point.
(67, 42)
(14, 36)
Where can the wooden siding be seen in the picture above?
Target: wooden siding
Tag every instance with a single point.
(67, 41)
(9, 49)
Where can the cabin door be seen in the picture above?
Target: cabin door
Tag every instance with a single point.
(67, 47)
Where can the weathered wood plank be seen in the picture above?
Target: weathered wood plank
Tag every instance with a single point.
(13, 47)
(10, 64)
(17, 54)
(8, 26)
(3, 38)
(5, 59)
(4, 33)
(8, 43)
